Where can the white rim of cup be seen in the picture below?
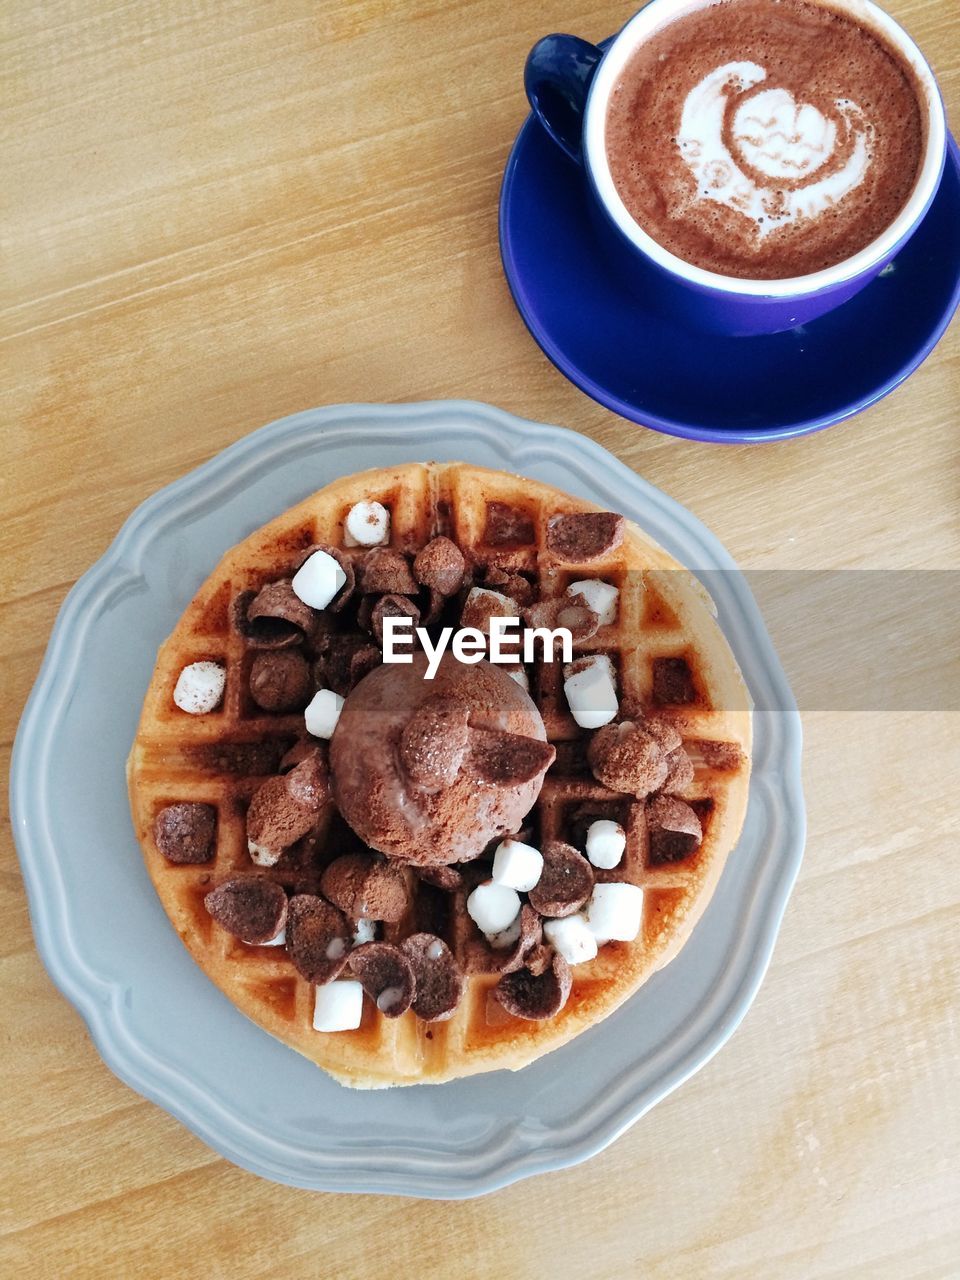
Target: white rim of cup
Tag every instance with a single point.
(657, 14)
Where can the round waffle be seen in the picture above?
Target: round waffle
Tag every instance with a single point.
(670, 659)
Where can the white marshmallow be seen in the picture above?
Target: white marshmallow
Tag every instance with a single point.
(591, 690)
(572, 938)
(318, 580)
(364, 931)
(322, 713)
(606, 842)
(615, 912)
(338, 1006)
(516, 865)
(367, 525)
(506, 937)
(601, 597)
(262, 856)
(521, 677)
(200, 687)
(278, 941)
(493, 907)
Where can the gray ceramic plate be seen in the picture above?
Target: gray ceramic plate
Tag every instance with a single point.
(169, 1033)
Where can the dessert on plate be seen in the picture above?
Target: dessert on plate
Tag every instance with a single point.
(414, 871)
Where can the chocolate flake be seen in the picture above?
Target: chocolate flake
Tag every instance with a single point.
(386, 975)
(366, 887)
(674, 829)
(280, 680)
(584, 535)
(318, 938)
(437, 976)
(533, 997)
(565, 883)
(251, 908)
(184, 833)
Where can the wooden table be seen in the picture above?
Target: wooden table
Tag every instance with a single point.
(219, 213)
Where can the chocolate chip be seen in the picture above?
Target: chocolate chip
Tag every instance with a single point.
(392, 606)
(384, 571)
(439, 982)
(565, 883)
(345, 563)
(318, 938)
(533, 997)
(184, 833)
(507, 525)
(386, 975)
(440, 566)
(433, 743)
(507, 759)
(674, 828)
(578, 619)
(584, 535)
(531, 935)
(673, 682)
(252, 909)
(276, 616)
(366, 887)
(280, 680)
(628, 757)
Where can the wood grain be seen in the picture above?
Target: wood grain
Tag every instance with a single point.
(215, 214)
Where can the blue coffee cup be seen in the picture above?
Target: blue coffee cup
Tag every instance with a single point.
(569, 82)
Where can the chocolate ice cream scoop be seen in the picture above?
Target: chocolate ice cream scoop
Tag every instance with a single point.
(430, 771)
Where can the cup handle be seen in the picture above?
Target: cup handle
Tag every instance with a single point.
(557, 78)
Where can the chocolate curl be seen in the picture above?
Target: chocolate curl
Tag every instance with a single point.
(318, 938)
(366, 887)
(440, 566)
(386, 975)
(280, 680)
(584, 535)
(384, 571)
(565, 883)
(252, 909)
(349, 573)
(184, 833)
(674, 829)
(535, 997)
(433, 743)
(437, 977)
(507, 759)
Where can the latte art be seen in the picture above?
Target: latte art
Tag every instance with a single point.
(766, 139)
(765, 156)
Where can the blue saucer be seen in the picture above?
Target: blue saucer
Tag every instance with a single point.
(656, 372)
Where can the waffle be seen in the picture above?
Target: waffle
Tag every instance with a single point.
(669, 656)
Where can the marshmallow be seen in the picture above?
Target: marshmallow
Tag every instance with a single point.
(262, 856)
(572, 937)
(506, 937)
(200, 687)
(591, 690)
(606, 842)
(600, 596)
(364, 931)
(278, 941)
(318, 580)
(338, 1006)
(517, 866)
(322, 713)
(521, 678)
(367, 525)
(493, 907)
(615, 912)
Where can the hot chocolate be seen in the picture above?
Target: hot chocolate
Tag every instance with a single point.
(765, 139)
